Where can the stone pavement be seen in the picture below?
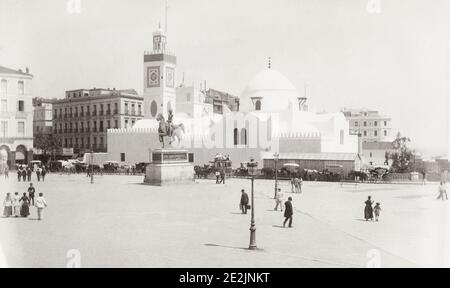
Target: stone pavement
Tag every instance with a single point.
(117, 221)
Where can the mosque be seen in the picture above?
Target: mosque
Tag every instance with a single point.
(273, 118)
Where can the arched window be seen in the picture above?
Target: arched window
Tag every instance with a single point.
(258, 105)
(236, 136)
(154, 108)
(244, 136)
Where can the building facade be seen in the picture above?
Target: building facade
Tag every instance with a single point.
(370, 124)
(42, 116)
(81, 120)
(16, 117)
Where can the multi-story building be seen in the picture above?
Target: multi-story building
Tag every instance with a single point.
(81, 120)
(374, 131)
(16, 117)
(220, 99)
(369, 124)
(43, 118)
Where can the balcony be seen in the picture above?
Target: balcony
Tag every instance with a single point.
(108, 112)
(88, 114)
(87, 130)
(94, 113)
(81, 114)
(101, 113)
(127, 112)
(116, 112)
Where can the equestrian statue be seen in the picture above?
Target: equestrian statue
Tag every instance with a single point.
(168, 129)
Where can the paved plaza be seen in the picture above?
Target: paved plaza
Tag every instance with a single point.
(117, 221)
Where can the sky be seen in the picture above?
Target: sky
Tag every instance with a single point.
(393, 56)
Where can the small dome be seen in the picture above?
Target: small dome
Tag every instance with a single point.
(271, 90)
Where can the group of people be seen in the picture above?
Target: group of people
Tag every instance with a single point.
(220, 177)
(25, 174)
(19, 206)
(296, 185)
(288, 210)
(370, 210)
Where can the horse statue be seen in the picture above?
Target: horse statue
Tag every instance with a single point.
(168, 129)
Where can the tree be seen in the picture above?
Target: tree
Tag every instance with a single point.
(401, 158)
(47, 143)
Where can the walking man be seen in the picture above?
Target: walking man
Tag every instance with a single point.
(31, 192)
(19, 174)
(222, 176)
(288, 212)
(442, 191)
(40, 205)
(279, 200)
(43, 173)
(29, 174)
(217, 177)
(244, 201)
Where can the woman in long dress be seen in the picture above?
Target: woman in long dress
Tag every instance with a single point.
(16, 204)
(368, 210)
(25, 208)
(7, 204)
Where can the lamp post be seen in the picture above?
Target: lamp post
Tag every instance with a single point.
(275, 158)
(252, 170)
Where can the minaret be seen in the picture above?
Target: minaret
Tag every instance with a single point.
(159, 78)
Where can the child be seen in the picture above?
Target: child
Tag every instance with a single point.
(40, 205)
(377, 210)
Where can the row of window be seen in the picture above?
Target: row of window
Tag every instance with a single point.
(80, 111)
(375, 123)
(4, 105)
(75, 128)
(4, 87)
(4, 128)
(375, 133)
(84, 142)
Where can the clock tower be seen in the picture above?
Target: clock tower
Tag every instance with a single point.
(159, 78)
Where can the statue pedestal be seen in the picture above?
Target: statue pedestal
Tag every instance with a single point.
(169, 166)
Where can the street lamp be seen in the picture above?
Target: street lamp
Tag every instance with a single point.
(275, 158)
(252, 171)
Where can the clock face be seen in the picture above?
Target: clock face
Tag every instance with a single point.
(170, 77)
(153, 76)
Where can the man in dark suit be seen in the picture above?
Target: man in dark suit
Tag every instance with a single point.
(244, 202)
(288, 212)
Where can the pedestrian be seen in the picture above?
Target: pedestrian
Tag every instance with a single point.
(38, 174)
(222, 176)
(217, 177)
(7, 206)
(442, 191)
(7, 171)
(424, 177)
(296, 181)
(40, 205)
(16, 204)
(29, 172)
(288, 212)
(25, 208)
(19, 174)
(244, 202)
(299, 185)
(293, 185)
(31, 192)
(368, 210)
(43, 173)
(279, 200)
(377, 211)
(24, 174)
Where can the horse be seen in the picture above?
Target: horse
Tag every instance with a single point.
(169, 130)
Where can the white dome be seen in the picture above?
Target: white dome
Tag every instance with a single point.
(275, 92)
